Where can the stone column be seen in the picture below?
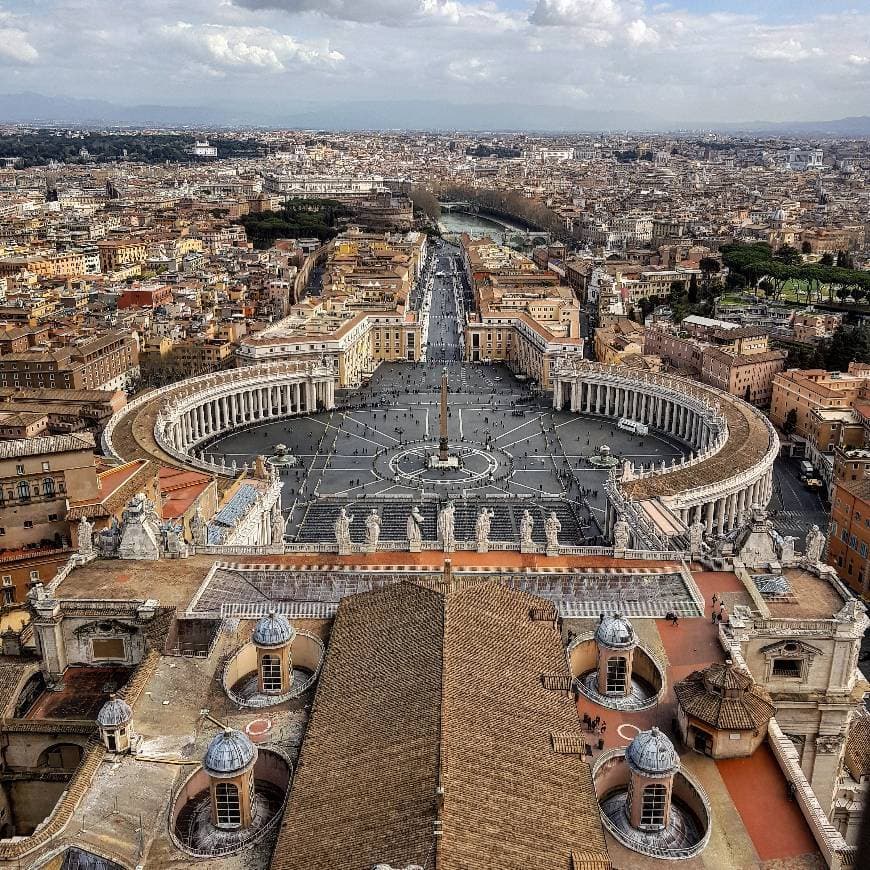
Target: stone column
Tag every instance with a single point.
(310, 396)
(557, 394)
(709, 518)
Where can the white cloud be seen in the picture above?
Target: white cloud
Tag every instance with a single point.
(789, 50)
(16, 47)
(254, 47)
(389, 12)
(578, 13)
(471, 70)
(640, 33)
(858, 59)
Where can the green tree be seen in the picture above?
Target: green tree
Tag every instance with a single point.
(844, 260)
(426, 202)
(827, 259)
(790, 422)
(789, 255)
(848, 344)
(806, 248)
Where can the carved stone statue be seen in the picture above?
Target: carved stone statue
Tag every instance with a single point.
(696, 536)
(482, 529)
(173, 540)
(621, 535)
(552, 527)
(342, 532)
(85, 537)
(277, 526)
(786, 556)
(815, 543)
(527, 523)
(446, 526)
(199, 529)
(373, 530)
(141, 535)
(109, 540)
(414, 528)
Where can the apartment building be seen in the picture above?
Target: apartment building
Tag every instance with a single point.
(733, 358)
(118, 254)
(812, 326)
(37, 476)
(363, 316)
(107, 362)
(523, 316)
(849, 534)
(806, 390)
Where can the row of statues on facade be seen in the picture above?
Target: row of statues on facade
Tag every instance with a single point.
(446, 528)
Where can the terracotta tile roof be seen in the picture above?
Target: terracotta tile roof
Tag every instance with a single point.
(858, 747)
(725, 697)
(13, 670)
(422, 690)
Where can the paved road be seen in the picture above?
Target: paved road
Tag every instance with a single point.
(795, 508)
(443, 338)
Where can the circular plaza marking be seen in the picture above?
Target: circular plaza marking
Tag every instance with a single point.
(410, 464)
(258, 727)
(633, 731)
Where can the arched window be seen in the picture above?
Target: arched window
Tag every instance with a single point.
(270, 669)
(23, 489)
(616, 668)
(652, 813)
(227, 807)
(48, 486)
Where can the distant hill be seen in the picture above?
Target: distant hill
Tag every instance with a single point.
(381, 115)
(858, 126)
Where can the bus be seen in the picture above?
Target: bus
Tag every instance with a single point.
(807, 470)
(632, 426)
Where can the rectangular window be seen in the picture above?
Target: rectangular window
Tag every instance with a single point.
(229, 811)
(652, 814)
(787, 667)
(616, 675)
(108, 648)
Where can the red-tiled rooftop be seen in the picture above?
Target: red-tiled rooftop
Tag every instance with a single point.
(179, 489)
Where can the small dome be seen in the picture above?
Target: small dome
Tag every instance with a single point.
(116, 711)
(615, 632)
(229, 753)
(651, 753)
(273, 630)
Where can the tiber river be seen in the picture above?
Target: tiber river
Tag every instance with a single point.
(474, 225)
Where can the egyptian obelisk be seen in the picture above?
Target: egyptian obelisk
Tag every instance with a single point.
(442, 434)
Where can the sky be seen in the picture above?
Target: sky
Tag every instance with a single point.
(695, 60)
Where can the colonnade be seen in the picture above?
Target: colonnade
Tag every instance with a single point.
(722, 495)
(723, 514)
(215, 412)
(678, 415)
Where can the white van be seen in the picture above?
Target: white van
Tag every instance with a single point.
(632, 426)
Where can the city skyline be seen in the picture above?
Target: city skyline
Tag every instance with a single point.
(608, 64)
